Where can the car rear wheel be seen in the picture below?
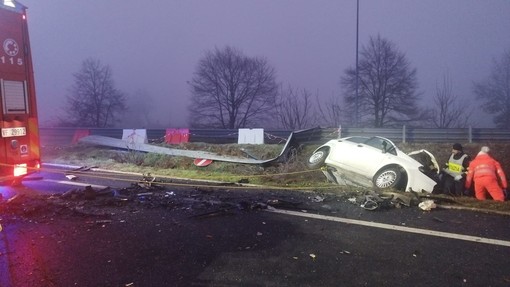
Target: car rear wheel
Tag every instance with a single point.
(318, 158)
(388, 178)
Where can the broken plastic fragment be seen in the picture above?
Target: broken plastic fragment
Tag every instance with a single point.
(71, 177)
(318, 199)
(427, 205)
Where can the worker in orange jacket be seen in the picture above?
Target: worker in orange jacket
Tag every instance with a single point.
(485, 171)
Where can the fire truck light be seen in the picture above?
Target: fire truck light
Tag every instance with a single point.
(9, 3)
(20, 169)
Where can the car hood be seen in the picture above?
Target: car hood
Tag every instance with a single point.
(427, 159)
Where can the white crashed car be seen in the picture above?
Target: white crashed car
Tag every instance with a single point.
(375, 162)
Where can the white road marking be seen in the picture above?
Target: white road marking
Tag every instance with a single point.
(396, 227)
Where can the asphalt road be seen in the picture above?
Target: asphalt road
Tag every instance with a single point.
(177, 235)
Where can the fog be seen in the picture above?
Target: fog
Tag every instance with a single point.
(154, 46)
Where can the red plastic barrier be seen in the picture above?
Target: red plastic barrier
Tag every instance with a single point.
(176, 136)
(78, 134)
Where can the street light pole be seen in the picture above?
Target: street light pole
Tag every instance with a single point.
(356, 121)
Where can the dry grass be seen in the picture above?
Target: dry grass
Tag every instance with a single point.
(290, 173)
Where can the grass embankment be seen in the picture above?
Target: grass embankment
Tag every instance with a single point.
(290, 173)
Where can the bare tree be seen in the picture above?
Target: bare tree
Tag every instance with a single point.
(387, 86)
(450, 111)
(93, 99)
(230, 90)
(294, 109)
(494, 92)
(331, 113)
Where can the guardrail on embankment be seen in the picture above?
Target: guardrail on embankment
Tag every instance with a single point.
(67, 136)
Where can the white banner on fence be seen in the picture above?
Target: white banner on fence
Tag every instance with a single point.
(251, 136)
(134, 136)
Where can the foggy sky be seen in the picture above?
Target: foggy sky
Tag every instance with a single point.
(154, 46)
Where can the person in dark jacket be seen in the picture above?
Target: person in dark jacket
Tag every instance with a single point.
(453, 176)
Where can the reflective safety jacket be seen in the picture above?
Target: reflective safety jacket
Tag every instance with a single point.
(485, 166)
(456, 166)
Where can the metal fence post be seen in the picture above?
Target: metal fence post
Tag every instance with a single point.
(470, 134)
(404, 134)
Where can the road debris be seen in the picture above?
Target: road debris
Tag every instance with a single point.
(438, 219)
(317, 198)
(71, 177)
(427, 205)
(285, 204)
(372, 200)
(147, 180)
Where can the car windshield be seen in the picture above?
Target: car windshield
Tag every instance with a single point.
(358, 139)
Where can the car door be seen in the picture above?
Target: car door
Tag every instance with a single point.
(347, 152)
(353, 154)
(372, 154)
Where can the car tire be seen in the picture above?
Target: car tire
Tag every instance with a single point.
(318, 158)
(388, 178)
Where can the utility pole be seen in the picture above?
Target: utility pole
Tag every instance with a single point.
(356, 121)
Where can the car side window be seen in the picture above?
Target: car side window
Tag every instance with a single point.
(375, 143)
(383, 145)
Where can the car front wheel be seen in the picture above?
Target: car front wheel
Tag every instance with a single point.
(388, 178)
(318, 158)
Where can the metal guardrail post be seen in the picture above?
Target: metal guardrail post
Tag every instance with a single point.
(470, 134)
(404, 134)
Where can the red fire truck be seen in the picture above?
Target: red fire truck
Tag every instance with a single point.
(19, 144)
